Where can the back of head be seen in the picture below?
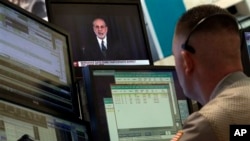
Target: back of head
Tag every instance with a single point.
(210, 13)
(213, 33)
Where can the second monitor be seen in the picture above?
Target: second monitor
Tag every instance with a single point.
(134, 102)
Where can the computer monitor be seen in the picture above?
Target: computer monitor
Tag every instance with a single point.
(35, 63)
(22, 124)
(245, 51)
(244, 27)
(134, 102)
(127, 41)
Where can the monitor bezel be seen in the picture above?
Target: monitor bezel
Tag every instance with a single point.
(42, 106)
(137, 3)
(245, 57)
(244, 26)
(94, 109)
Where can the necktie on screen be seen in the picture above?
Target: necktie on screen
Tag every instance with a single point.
(104, 49)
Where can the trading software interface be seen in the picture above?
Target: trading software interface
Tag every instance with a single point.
(17, 121)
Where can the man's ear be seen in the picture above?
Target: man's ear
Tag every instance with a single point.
(188, 63)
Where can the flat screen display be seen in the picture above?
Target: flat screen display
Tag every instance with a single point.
(244, 27)
(134, 102)
(23, 124)
(119, 23)
(35, 63)
(245, 50)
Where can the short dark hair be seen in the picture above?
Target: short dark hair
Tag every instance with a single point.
(221, 19)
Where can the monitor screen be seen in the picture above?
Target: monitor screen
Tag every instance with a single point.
(35, 63)
(244, 26)
(134, 102)
(245, 50)
(118, 23)
(22, 124)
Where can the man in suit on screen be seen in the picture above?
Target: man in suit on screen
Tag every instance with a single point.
(102, 47)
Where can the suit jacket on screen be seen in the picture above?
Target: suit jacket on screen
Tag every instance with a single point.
(115, 51)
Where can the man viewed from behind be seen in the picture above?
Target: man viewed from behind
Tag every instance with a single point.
(206, 48)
